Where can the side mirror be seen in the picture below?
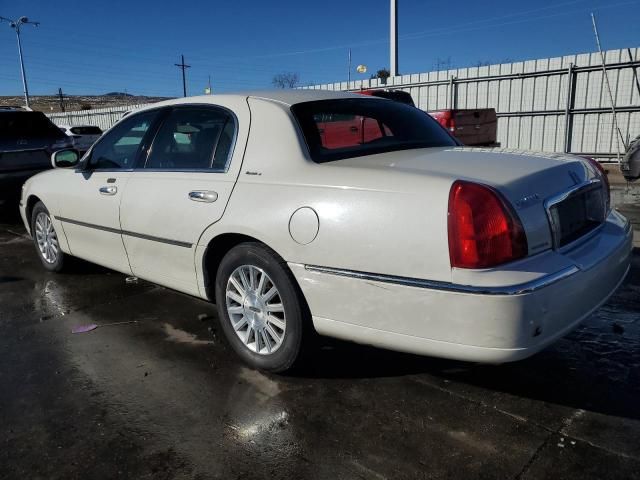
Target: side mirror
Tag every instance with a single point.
(65, 158)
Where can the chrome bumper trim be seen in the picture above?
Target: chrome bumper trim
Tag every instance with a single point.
(519, 289)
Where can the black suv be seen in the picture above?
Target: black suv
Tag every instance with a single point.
(27, 140)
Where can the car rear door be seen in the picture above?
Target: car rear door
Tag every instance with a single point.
(90, 209)
(183, 187)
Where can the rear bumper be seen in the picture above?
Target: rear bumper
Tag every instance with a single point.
(491, 324)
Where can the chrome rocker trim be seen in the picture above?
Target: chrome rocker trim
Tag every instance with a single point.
(519, 289)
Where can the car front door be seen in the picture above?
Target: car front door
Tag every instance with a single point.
(183, 187)
(90, 208)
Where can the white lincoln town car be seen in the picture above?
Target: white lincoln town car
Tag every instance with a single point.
(302, 212)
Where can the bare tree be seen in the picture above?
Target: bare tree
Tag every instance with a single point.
(285, 80)
(443, 64)
(382, 74)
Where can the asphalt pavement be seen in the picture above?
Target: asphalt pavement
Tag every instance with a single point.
(165, 398)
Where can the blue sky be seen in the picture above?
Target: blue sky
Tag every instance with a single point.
(101, 46)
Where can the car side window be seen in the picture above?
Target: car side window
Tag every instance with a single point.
(120, 146)
(190, 138)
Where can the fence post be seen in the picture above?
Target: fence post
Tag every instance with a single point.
(568, 111)
(453, 92)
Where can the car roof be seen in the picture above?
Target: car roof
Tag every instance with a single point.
(285, 96)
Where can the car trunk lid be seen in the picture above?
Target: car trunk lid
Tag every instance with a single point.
(529, 181)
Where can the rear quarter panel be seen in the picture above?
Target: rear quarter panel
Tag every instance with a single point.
(395, 226)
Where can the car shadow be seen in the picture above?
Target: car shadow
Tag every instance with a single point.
(562, 375)
(10, 214)
(9, 279)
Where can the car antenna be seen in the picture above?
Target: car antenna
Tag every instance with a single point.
(606, 77)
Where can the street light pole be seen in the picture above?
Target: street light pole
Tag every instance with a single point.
(16, 24)
(393, 38)
(24, 77)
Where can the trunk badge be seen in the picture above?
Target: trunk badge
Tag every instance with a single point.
(528, 200)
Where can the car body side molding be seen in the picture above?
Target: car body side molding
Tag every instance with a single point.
(519, 289)
(168, 241)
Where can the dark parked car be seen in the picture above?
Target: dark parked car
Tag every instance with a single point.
(27, 140)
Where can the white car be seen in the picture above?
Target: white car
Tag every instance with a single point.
(360, 218)
(83, 136)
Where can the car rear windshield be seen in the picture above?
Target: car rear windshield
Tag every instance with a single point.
(27, 125)
(86, 131)
(345, 128)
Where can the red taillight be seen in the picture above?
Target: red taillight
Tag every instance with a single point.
(604, 179)
(483, 230)
(451, 123)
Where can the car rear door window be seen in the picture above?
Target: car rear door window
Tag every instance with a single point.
(193, 138)
(119, 148)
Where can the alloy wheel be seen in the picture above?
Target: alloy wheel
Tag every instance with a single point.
(46, 238)
(255, 309)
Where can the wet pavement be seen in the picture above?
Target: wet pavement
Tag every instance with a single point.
(165, 398)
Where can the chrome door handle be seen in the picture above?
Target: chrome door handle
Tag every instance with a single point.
(203, 196)
(110, 190)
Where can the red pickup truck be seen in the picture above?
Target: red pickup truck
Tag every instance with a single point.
(471, 127)
(476, 127)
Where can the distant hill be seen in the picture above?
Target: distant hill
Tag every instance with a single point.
(51, 103)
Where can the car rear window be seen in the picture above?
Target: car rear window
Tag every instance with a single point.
(86, 130)
(27, 125)
(345, 128)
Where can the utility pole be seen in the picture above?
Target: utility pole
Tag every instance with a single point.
(61, 99)
(393, 39)
(349, 75)
(183, 66)
(16, 24)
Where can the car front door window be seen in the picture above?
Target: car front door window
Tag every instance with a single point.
(119, 148)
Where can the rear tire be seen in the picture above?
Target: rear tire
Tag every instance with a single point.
(45, 239)
(261, 308)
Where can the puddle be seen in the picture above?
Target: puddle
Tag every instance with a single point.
(263, 384)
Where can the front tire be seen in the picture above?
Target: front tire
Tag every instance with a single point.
(45, 239)
(262, 312)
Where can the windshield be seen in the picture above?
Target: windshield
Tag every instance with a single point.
(345, 128)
